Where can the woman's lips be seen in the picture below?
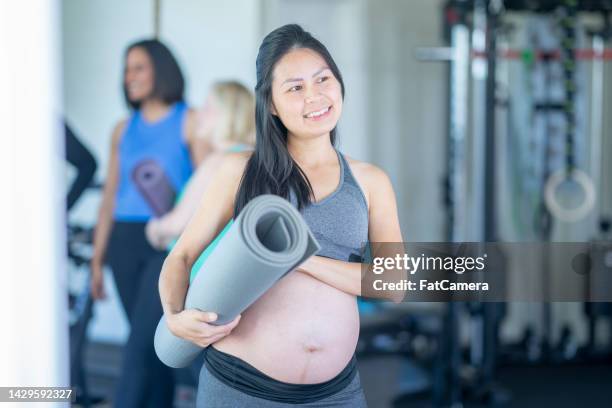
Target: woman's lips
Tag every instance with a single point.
(319, 114)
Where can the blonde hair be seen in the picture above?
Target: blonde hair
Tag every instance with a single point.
(236, 121)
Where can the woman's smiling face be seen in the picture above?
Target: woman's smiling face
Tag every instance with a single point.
(306, 96)
(139, 75)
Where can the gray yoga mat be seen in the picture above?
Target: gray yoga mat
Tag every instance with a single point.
(268, 239)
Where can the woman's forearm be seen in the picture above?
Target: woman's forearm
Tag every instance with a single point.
(344, 276)
(173, 284)
(107, 207)
(102, 230)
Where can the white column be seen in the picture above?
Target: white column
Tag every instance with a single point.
(33, 301)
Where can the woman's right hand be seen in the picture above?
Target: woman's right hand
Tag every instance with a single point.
(97, 281)
(194, 325)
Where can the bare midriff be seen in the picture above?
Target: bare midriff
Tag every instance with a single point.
(301, 331)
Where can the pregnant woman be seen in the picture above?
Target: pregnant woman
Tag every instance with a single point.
(295, 344)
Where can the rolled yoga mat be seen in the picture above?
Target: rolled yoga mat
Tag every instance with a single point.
(267, 240)
(154, 185)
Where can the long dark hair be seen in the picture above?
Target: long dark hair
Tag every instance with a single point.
(271, 169)
(169, 83)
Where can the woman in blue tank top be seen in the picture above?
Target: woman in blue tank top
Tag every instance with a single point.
(150, 159)
(296, 343)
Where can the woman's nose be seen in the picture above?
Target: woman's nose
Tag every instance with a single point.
(311, 96)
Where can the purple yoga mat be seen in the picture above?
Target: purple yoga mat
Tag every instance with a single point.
(154, 185)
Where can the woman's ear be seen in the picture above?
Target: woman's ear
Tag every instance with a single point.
(273, 109)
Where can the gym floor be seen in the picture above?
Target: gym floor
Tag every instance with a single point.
(529, 386)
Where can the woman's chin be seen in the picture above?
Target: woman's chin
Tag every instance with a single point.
(311, 134)
(315, 129)
(321, 130)
(136, 98)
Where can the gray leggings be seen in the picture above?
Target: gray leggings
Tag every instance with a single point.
(212, 393)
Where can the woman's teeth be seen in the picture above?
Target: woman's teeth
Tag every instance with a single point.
(318, 113)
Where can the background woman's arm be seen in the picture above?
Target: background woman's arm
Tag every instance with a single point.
(104, 223)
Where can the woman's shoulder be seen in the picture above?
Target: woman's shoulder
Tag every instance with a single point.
(119, 129)
(234, 162)
(121, 124)
(367, 173)
(373, 180)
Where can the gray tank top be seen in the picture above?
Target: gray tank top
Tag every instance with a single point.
(340, 221)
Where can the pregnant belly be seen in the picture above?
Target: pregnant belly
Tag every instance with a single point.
(301, 331)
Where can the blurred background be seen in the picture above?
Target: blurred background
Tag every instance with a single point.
(490, 117)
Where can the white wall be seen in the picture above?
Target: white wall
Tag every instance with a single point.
(213, 40)
(407, 110)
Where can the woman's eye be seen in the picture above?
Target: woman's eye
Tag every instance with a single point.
(295, 88)
(323, 79)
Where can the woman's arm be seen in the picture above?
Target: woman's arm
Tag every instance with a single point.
(215, 210)
(104, 223)
(84, 162)
(344, 276)
(383, 227)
